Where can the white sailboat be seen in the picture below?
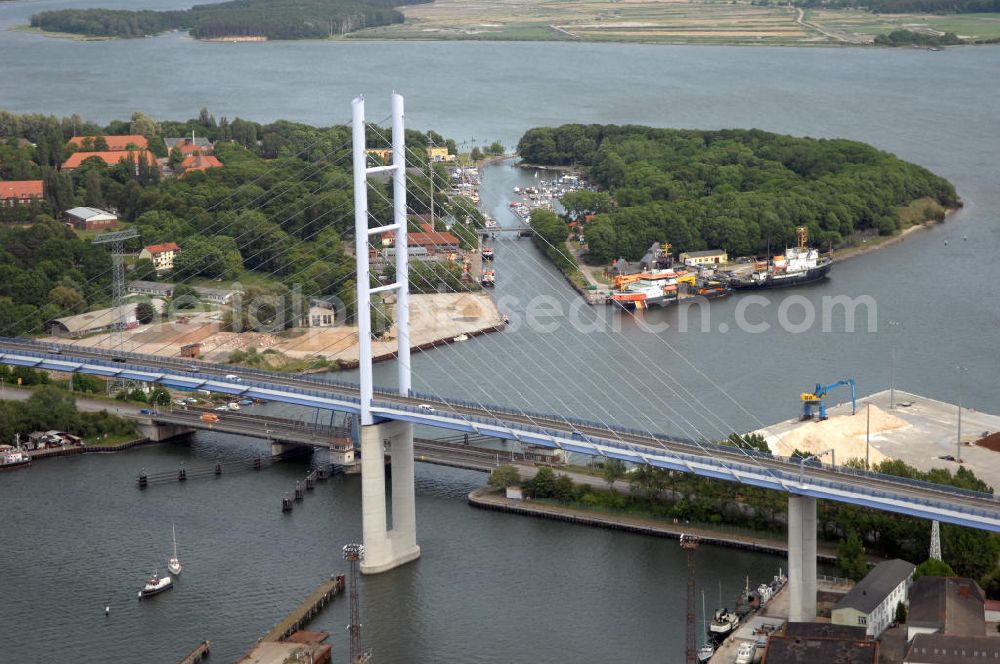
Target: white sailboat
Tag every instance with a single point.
(174, 564)
(706, 651)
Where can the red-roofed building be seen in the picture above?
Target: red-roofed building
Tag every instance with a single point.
(20, 192)
(115, 143)
(110, 158)
(431, 240)
(161, 254)
(199, 163)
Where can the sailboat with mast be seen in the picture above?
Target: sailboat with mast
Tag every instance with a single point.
(174, 563)
(706, 651)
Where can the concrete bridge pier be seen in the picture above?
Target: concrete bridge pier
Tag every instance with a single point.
(385, 547)
(801, 558)
(158, 431)
(281, 448)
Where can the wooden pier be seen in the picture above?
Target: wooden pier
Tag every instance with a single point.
(307, 609)
(198, 654)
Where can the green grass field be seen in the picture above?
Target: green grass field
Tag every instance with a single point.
(968, 26)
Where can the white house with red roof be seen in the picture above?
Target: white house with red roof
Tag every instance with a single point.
(162, 255)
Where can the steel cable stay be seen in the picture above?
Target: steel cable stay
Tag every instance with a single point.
(215, 225)
(93, 279)
(470, 371)
(725, 429)
(695, 428)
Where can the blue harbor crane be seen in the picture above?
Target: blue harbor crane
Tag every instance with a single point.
(813, 399)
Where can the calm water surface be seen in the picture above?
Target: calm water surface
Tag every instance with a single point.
(491, 588)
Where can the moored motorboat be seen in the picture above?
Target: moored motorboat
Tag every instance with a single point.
(745, 653)
(13, 457)
(156, 585)
(723, 624)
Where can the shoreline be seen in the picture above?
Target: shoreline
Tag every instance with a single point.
(488, 499)
(37, 455)
(853, 252)
(442, 341)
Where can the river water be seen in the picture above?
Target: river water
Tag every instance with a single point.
(491, 588)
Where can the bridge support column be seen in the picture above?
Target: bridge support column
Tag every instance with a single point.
(801, 559)
(281, 448)
(387, 548)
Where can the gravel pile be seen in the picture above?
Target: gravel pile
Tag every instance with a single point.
(844, 433)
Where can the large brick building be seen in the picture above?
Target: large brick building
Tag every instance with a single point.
(20, 192)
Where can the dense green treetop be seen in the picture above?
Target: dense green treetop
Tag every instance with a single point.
(276, 212)
(905, 6)
(739, 190)
(910, 38)
(273, 19)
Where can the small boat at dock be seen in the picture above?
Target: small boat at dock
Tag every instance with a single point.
(13, 457)
(723, 624)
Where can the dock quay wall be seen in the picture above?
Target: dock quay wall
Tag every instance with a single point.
(308, 609)
(489, 500)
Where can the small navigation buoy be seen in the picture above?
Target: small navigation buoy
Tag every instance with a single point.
(107, 610)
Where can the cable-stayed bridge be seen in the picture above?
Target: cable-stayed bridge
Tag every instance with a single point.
(387, 416)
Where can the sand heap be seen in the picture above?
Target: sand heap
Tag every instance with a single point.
(843, 433)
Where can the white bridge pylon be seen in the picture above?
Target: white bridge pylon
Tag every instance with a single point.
(385, 547)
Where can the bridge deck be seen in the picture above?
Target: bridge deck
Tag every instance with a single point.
(867, 489)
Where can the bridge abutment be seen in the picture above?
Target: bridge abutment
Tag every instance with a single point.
(158, 431)
(281, 448)
(386, 548)
(801, 558)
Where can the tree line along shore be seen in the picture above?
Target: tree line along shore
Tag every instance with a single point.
(920, 23)
(239, 19)
(656, 494)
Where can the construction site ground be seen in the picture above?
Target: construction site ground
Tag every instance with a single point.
(434, 318)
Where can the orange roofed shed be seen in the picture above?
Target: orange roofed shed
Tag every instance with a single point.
(20, 191)
(115, 143)
(200, 163)
(110, 158)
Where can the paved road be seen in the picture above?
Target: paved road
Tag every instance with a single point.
(914, 495)
(8, 393)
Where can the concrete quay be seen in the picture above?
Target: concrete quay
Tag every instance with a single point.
(486, 498)
(929, 436)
